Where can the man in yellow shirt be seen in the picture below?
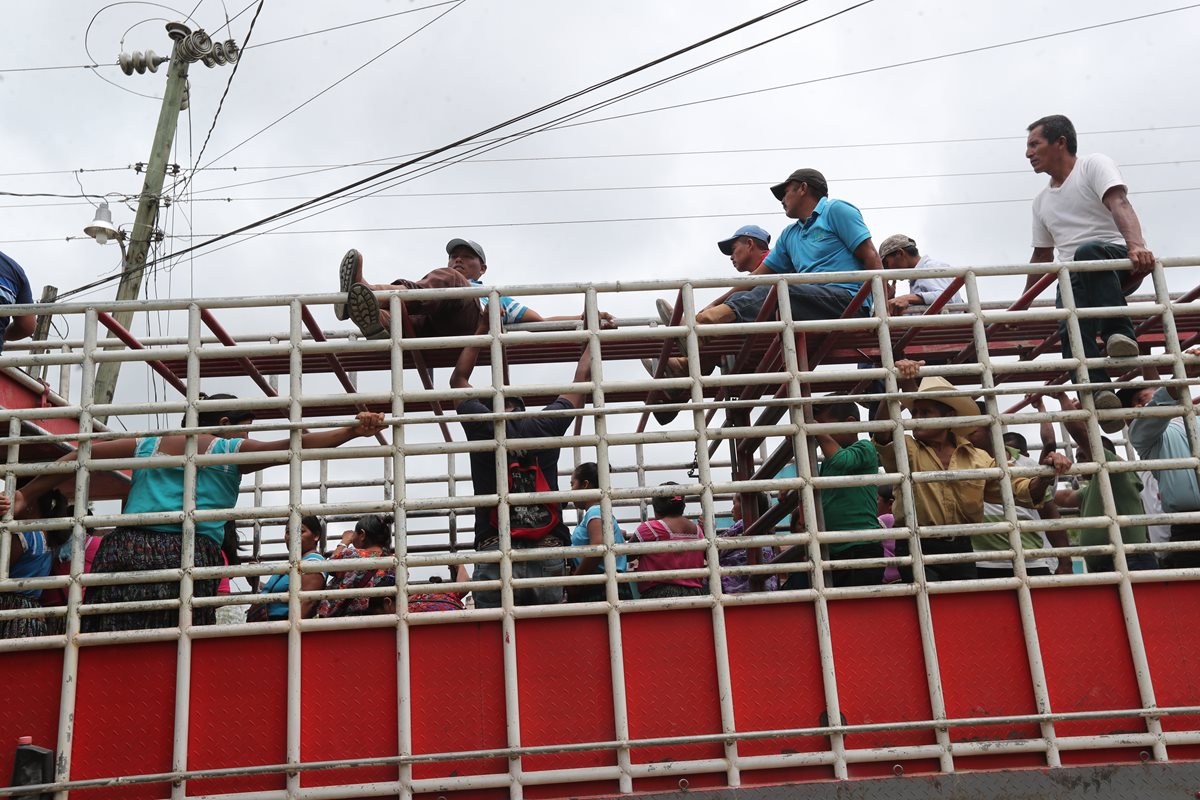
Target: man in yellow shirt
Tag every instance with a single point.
(953, 502)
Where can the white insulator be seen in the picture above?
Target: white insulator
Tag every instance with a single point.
(195, 46)
(215, 56)
(231, 51)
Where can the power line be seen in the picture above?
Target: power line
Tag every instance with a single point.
(224, 94)
(353, 24)
(453, 145)
(340, 80)
(869, 70)
(599, 220)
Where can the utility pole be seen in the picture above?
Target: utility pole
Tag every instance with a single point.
(189, 46)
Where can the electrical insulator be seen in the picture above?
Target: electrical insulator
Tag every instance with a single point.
(195, 46)
(139, 62)
(222, 53)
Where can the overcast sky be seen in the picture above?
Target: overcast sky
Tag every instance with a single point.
(934, 150)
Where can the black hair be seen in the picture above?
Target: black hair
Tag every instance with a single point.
(588, 472)
(1108, 445)
(516, 403)
(376, 604)
(670, 506)
(1130, 393)
(887, 493)
(1017, 440)
(911, 249)
(378, 529)
(53, 504)
(1055, 127)
(211, 418)
(229, 545)
(317, 526)
(839, 410)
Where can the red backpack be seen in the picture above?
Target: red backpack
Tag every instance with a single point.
(530, 521)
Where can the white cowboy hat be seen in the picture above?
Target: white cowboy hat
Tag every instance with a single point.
(963, 405)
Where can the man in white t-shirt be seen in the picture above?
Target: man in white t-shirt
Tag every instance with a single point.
(900, 252)
(1085, 215)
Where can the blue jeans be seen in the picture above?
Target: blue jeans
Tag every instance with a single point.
(1096, 290)
(809, 301)
(537, 596)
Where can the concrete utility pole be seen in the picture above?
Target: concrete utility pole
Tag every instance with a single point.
(189, 46)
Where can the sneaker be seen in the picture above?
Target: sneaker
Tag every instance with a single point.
(364, 311)
(1121, 346)
(665, 310)
(1107, 400)
(348, 271)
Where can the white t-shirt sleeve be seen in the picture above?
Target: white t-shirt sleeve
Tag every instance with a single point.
(1102, 174)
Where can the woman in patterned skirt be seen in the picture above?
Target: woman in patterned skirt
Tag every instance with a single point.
(135, 548)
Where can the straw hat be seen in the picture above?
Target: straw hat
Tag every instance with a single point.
(963, 405)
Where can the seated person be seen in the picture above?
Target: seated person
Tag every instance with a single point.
(900, 252)
(456, 316)
(590, 531)
(946, 447)
(29, 557)
(746, 249)
(434, 599)
(827, 236)
(669, 525)
(312, 538)
(371, 538)
(737, 584)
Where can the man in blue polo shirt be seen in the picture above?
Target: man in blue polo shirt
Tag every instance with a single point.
(827, 236)
(14, 288)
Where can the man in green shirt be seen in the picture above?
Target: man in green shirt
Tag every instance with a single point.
(849, 508)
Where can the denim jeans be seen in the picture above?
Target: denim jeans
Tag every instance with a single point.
(1096, 290)
(545, 568)
(809, 301)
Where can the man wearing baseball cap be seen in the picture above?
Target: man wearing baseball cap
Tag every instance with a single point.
(827, 236)
(747, 248)
(457, 316)
(900, 252)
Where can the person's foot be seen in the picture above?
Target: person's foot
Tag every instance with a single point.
(349, 273)
(676, 367)
(1121, 346)
(364, 311)
(1107, 400)
(665, 310)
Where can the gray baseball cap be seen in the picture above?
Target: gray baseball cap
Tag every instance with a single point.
(472, 246)
(894, 244)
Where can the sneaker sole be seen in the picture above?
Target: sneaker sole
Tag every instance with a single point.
(350, 266)
(1122, 347)
(364, 311)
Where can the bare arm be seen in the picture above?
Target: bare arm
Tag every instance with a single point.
(461, 377)
(588, 564)
(368, 423)
(867, 255)
(1116, 200)
(583, 373)
(20, 328)
(310, 582)
(28, 496)
(906, 378)
(1041, 255)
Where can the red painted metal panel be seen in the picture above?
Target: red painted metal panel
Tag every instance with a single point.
(1089, 666)
(775, 668)
(985, 672)
(1169, 614)
(239, 718)
(565, 693)
(671, 687)
(881, 675)
(457, 682)
(30, 684)
(348, 703)
(124, 717)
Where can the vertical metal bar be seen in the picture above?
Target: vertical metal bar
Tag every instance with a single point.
(295, 668)
(70, 682)
(400, 531)
(1033, 650)
(933, 675)
(616, 648)
(794, 362)
(733, 775)
(508, 626)
(10, 486)
(183, 651)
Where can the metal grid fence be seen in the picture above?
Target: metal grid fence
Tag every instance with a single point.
(624, 451)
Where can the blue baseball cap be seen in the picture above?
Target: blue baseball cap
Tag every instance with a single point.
(753, 231)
